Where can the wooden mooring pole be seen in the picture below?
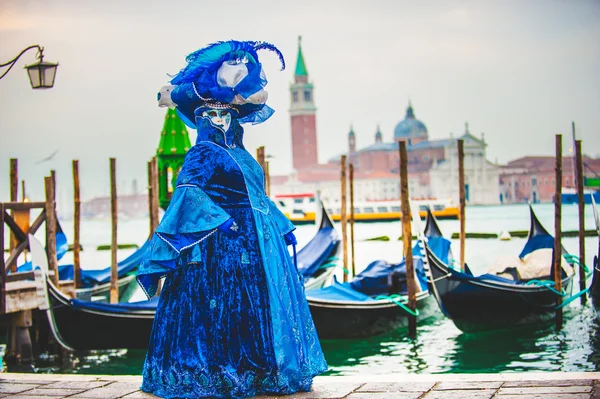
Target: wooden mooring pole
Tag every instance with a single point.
(2, 265)
(153, 194)
(50, 208)
(14, 179)
(114, 276)
(260, 158)
(407, 239)
(14, 191)
(153, 203)
(76, 225)
(53, 175)
(343, 217)
(557, 255)
(581, 203)
(351, 180)
(268, 178)
(461, 200)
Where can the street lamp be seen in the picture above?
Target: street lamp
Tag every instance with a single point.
(41, 74)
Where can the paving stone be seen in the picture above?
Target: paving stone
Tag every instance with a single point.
(77, 384)
(396, 387)
(321, 391)
(549, 383)
(26, 381)
(43, 392)
(544, 389)
(384, 395)
(462, 394)
(546, 396)
(112, 391)
(16, 388)
(449, 385)
(26, 396)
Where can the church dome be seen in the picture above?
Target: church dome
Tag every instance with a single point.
(410, 127)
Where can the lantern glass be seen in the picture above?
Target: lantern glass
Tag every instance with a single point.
(42, 74)
(34, 76)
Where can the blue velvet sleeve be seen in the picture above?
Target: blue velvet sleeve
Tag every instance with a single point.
(191, 217)
(282, 221)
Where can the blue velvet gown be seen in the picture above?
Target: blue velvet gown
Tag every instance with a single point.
(232, 321)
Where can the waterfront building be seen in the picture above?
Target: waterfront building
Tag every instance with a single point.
(432, 164)
(532, 178)
(130, 206)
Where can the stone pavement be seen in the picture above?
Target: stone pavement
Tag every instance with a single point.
(432, 386)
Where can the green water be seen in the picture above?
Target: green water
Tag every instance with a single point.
(439, 347)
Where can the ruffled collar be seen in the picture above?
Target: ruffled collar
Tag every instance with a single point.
(232, 138)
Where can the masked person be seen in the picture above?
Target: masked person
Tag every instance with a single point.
(232, 319)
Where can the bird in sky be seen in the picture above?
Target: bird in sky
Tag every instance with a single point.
(48, 158)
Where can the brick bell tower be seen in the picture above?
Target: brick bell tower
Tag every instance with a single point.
(303, 113)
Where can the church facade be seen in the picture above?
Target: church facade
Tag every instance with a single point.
(432, 164)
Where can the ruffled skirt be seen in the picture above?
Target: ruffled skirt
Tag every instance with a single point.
(233, 321)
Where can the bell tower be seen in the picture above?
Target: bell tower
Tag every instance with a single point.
(351, 141)
(303, 114)
(352, 146)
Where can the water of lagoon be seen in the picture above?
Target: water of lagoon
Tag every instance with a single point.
(439, 347)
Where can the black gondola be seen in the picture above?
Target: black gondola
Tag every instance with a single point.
(95, 284)
(595, 287)
(348, 310)
(82, 325)
(489, 301)
(317, 258)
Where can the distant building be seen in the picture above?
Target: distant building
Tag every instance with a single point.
(303, 114)
(131, 206)
(432, 167)
(532, 178)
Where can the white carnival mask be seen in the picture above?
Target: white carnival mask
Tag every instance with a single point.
(219, 118)
(164, 97)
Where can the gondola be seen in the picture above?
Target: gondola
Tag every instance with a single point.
(595, 287)
(373, 302)
(489, 301)
(95, 284)
(82, 325)
(316, 260)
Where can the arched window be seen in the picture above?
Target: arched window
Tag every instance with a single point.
(307, 95)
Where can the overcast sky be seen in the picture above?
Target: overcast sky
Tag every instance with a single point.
(519, 71)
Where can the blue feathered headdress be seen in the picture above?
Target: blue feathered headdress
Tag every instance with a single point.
(225, 75)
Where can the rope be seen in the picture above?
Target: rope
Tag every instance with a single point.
(575, 259)
(572, 298)
(328, 265)
(397, 299)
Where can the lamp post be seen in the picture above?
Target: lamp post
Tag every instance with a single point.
(41, 73)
